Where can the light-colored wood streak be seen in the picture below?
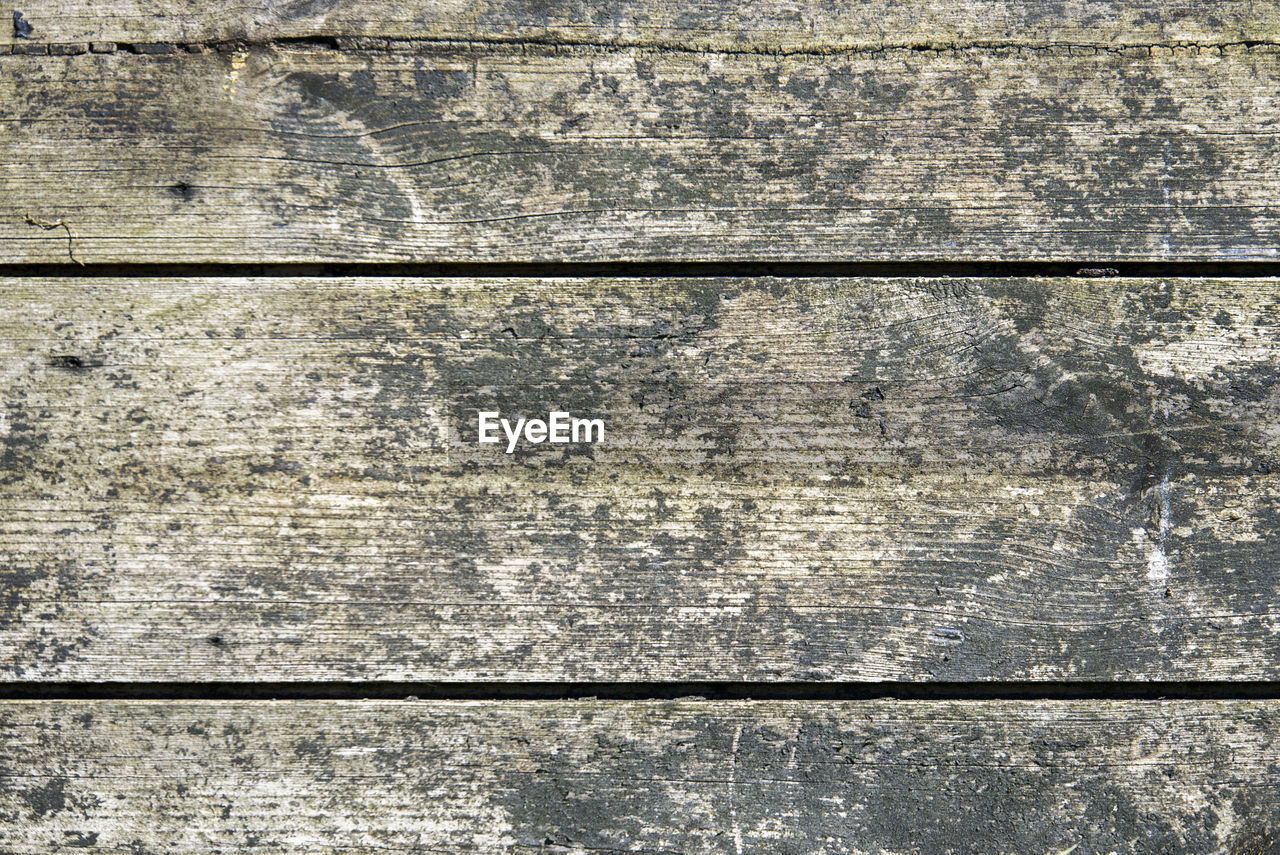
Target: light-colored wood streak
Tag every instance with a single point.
(958, 479)
(761, 25)
(682, 776)
(482, 153)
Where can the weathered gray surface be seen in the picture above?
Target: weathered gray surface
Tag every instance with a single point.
(767, 25)
(688, 777)
(490, 153)
(802, 479)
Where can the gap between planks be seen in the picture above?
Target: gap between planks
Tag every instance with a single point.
(389, 690)
(1082, 268)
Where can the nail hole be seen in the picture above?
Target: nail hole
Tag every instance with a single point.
(183, 191)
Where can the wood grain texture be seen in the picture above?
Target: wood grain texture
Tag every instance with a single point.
(816, 479)
(762, 25)
(686, 776)
(459, 153)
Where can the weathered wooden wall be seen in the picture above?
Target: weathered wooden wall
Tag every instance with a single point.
(688, 776)
(265, 473)
(766, 26)
(802, 479)
(480, 152)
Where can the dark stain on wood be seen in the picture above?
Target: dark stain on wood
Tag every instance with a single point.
(483, 152)
(684, 776)
(22, 28)
(803, 480)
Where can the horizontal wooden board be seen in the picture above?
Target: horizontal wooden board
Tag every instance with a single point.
(763, 25)
(476, 153)
(818, 479)
(685, 776)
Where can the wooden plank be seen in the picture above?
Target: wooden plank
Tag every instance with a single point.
(757, 25)
(684, 776)
(489, 153)
(957, 479)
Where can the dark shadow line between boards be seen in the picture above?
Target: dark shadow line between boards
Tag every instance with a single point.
(665, 269)
(643, 691)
